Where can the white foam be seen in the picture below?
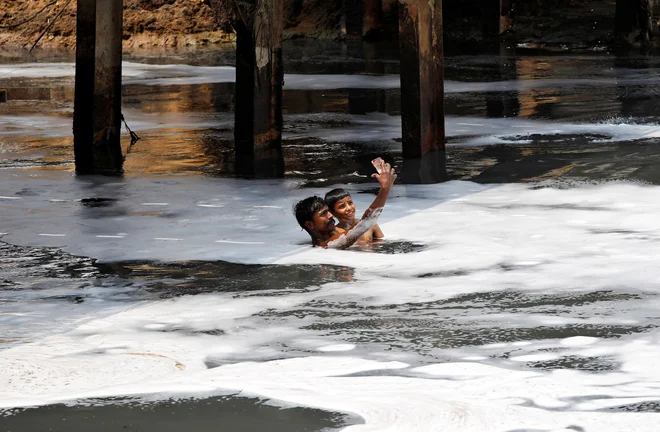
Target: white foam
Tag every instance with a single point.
(337, 347)
(180, 74)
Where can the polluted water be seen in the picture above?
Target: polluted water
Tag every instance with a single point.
(522, 294)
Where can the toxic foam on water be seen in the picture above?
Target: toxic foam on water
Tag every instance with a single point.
(588, 240)
(179, 74)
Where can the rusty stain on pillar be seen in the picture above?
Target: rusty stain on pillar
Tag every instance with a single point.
(259, 81)
(422, 91)
(83, 128)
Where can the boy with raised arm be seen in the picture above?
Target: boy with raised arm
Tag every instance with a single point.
(341, 205)
(315, 217)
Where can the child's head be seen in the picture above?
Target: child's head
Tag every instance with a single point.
(341, 204)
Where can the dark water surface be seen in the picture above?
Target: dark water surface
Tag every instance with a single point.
(330, 135)
(215, 413)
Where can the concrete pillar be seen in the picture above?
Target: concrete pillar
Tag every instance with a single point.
(83, 109)
(259, 81)
(422, 91)
(107, 86)
(97, 99)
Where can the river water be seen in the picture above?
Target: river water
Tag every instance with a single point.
(520, 295)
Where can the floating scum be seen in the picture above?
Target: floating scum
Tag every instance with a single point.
(461, 335)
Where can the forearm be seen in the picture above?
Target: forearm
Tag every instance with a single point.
(381, 198)
(344, 240)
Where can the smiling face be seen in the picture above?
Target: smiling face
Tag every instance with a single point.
(344, 209)
(322, 222)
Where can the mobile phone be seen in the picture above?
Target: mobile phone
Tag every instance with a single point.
(378, 164)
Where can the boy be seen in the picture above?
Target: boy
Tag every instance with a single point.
(313, 215)
(341, 205)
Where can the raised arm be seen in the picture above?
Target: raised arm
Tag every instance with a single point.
(370, 218)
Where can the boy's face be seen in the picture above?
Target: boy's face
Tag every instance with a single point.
(322, 222)
(344, 209)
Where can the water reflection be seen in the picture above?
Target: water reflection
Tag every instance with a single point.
(504, 104)
(188, 129)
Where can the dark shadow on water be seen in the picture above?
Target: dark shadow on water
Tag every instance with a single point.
(225, 413)
(172, 279)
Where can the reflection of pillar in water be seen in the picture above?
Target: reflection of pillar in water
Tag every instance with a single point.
(259, 80)
(504, 104)
(97, 98)
(362, 101)
(422, 91)
(539, 102)
(636, 101)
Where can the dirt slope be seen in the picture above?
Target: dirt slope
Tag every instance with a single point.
(147, 23)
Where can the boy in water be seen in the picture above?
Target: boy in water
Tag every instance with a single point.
(314, 216)
(341, 205)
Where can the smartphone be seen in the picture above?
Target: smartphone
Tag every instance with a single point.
(378, 164)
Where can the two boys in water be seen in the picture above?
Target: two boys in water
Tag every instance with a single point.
(316, 215)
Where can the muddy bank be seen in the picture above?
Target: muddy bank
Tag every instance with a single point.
(562, 24)
(147, 23)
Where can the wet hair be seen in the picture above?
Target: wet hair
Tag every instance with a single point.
(333, 196)
(306, 209)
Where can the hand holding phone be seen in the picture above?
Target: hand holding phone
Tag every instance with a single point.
(378, 163)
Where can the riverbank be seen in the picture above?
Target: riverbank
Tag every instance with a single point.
(157, 23)
(561, 24)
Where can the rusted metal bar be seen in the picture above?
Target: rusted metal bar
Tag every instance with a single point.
(259, 81)
(422, 90)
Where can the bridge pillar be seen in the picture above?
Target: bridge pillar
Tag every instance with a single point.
(97, 97)
(422, 91)
(259, 81)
